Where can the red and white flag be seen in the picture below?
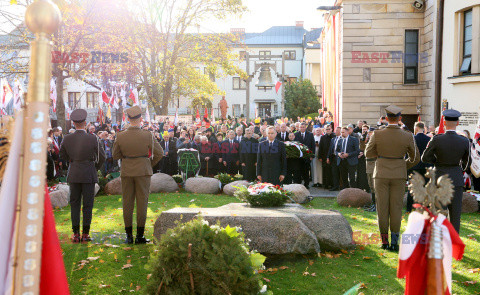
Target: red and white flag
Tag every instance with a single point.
(18, 92)
(205, 115)
(7, 93)
(147, 115)
(134, 96)
(441, 127)
(53, 94)
(197, 117)
(114, 101)
(277, 86)
(105, 97)
(412, 263)
(175, 120)
(123, 96)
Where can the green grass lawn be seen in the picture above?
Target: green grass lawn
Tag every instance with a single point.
(113, 268)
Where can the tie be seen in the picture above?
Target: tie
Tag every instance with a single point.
(303, 136)
(283, 136)
(166, 146)
(344, 146)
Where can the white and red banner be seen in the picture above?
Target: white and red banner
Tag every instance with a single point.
(412, 263)
(53, 94)
(475, 152)
(134, 96)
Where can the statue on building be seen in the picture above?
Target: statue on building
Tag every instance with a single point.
(223, 107)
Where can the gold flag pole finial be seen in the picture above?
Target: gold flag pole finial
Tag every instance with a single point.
(42, 18)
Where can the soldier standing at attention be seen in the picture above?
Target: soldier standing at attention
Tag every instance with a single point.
(389, 146)
(446, 151)
(138, 151)
(85, 155)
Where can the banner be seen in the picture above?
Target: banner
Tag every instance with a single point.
(475, 152)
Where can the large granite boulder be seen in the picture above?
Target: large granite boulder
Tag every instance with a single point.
(163, 183)
(59, 198)
(300, 192)
(203, 185)
(230, 188)
(114, 187)
(290, 229)
(353, 197)
(469, 203)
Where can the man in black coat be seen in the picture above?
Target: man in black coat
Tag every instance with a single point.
(168, 164)
(325, 142)
(248, 156)
(230, 153)
(271, 159)
(85, 155)
(446, 151)
(421, 140)
(283, 134)
(347, 158)
(332, 159)
(306, 137)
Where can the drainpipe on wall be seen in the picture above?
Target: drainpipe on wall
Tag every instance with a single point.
(438, 62)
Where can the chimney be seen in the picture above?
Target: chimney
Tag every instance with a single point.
(299, 23)
(237, 30)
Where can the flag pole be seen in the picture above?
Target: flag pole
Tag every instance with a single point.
(42, 18)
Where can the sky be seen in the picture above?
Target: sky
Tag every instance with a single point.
(264, 14)
(261, 15)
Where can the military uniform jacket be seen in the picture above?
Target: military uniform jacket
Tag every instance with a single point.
(446, 151)
(138, 150)
(389, 146)
(85, 155)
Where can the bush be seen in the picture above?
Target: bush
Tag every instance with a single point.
(226, 178)
(178, 178)
(208, 259)
(263, 195)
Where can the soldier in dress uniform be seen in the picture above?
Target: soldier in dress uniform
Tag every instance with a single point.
(85, 156)
(389, 146)
(446, 151)
(138, 151)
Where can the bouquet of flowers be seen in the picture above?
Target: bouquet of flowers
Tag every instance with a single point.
(178, 178)
(226, 178)
(296, 150)
(263, 195)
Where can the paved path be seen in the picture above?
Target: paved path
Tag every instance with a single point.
(322, 193)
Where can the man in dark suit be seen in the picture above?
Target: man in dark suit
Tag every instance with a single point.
(305, 137)
(230, 154)
(248, 156)
(347, 160)
(85, 155)
(168, 164)
(271, 159)
(421, 140)
(283, 134)
(446, 151)
(325, 142)
(332, 159)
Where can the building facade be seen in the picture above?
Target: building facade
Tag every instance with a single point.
(377, 53)
(461, 60)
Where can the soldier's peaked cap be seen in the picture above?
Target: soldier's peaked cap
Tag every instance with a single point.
(451, 115)
(78, 115)
(393, 111)
(134, 112)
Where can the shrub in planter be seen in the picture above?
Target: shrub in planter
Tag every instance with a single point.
(263, 195)
(196, 258)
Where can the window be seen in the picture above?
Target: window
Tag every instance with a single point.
(209, 73)
(290, 54)
(239, 83)
(236, 110)
(242, 54)
(411, 57)
(275, 109)
(265, 54)
(73, 100)
(466, 67)
(92, 100)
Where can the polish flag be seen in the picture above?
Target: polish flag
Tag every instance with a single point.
(441, 127)
(18, 92)
(147, 115)
(197, 117)
(134, 96)
(175, 121)
(7, 93)
(53, 94)
(412, 263)
(205, 115)
(105, 97)
(124, 121)
(123, 96)
(113, 101)
(277, 86)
